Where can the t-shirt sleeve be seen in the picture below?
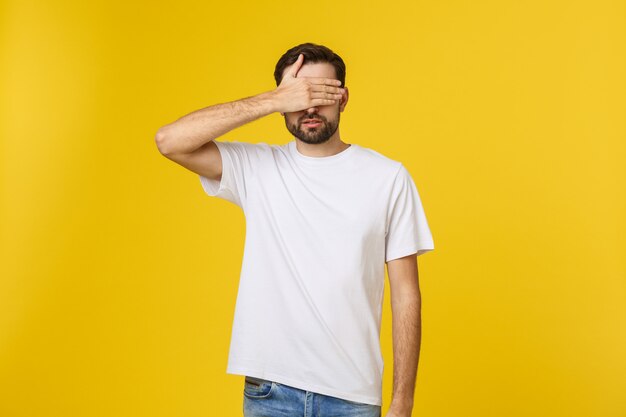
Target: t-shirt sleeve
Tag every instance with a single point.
(237, 164)
(407, 229)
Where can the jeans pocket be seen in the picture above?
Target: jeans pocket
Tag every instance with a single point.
(258, 388)
(364, 409)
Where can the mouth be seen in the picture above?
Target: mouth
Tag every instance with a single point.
(312, 123)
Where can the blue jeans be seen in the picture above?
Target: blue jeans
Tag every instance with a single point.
(264, 398)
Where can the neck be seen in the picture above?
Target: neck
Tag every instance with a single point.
(332, 146)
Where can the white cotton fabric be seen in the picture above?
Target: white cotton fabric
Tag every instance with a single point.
(318, 233)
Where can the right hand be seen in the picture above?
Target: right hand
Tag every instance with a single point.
(295, 94)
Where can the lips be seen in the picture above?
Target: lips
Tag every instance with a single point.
(312, 123)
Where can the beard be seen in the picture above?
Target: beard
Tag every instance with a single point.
(313, 135)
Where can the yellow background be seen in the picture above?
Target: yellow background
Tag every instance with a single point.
(119, 275)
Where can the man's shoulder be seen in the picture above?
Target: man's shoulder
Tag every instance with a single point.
(251, 148)
(377, 160)
(247, 145)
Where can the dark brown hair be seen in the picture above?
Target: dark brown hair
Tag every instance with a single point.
(312, 53)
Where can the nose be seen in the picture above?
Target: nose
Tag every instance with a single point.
(311, 110)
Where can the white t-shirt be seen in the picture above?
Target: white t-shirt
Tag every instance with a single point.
(318, 233)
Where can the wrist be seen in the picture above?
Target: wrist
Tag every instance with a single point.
(269, 102)
(401, 407)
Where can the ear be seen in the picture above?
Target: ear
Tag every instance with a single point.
(344, 100)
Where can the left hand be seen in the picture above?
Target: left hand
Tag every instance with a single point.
(392, 413)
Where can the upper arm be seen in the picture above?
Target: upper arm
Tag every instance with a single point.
(407, 229)
(403, 278)
(205, 161)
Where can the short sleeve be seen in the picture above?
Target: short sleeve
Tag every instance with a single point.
(238, 159)
(407, 229)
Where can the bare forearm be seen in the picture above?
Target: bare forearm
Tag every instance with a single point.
(195, 129)
(190, 132)
(407, 333)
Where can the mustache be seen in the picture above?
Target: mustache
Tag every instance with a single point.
(309, 119)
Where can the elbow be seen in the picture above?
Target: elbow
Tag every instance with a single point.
(162, 142)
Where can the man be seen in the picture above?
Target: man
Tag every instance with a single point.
(322, 218)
